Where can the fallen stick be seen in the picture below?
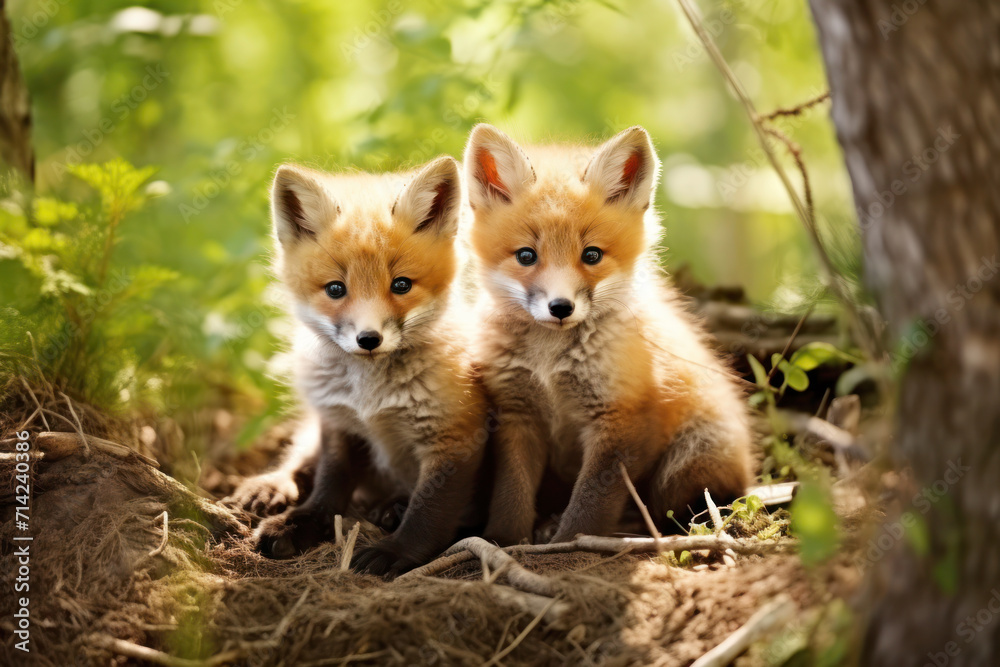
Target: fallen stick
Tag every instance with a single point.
(497, 559)
(713, 511)
(352, 537)
(58, 445)
(139, 652)
(650, 526)
(163, 541)
(458, 553)
(772, 615)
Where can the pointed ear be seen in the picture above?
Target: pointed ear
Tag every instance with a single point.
(432, 200)
(496, 168)
(300, 204)
(624, 170)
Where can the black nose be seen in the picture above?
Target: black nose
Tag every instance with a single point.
(369, 340)
(561, 308)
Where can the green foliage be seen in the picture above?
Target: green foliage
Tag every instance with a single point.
(814, 522)
(216, 93)
(93, 319)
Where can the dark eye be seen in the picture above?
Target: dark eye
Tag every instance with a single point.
(526, 256)
(592, 255)
(336, 290)
(401, 285)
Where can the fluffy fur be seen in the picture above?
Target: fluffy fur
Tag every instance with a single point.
(626, 377)
(408, 411)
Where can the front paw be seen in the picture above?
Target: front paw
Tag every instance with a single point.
(386, 558)
(291, 533)
(265, 495)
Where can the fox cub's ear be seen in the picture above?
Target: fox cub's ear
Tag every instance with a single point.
(496, 168)
(300, 204)
(624, 169)
(432, 200)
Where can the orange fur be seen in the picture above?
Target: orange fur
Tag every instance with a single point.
(627, 375)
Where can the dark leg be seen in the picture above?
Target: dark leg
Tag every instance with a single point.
(431, 520)
(343, 459)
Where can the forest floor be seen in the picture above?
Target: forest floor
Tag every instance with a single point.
(129, 566)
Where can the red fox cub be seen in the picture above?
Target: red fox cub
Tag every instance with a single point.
(586, 351)
(379, 359)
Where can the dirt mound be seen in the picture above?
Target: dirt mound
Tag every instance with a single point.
(128, 566)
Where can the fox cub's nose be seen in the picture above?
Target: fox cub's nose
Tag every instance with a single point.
(561, 308)
(369, 340)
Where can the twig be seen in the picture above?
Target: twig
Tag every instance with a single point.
(837, 438)
(796, 110)
(829, 273)
(35, 399)
(638, 501)
(517, 575)
(713, 511)
(79, 424)
(791, 340)
(796, 152)
(27, 422)
(338, 529)
(610, 545)
(768, 618)
(139, 652)
(345, 558)
(163, 542)
(439, 565)
(520, 638)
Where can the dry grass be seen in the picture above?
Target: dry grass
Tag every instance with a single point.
(111, 585)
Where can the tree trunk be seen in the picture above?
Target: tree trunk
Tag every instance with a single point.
(915, 87)
(15, 108)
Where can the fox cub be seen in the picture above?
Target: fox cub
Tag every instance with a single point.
(586, 351)
(380, 360)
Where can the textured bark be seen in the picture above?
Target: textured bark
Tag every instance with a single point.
(906, 75)
(15, 108)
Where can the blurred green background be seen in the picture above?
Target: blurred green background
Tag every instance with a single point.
(206, 98)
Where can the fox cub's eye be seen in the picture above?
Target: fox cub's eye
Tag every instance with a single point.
(592, 255)
(526, 256)
(401, 285)
(336, 289)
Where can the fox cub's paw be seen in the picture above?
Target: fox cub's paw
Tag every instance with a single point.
(265, 495)
(387, 558)
(291, 533)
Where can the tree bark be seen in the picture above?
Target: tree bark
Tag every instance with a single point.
(916, 104)
(15, 107)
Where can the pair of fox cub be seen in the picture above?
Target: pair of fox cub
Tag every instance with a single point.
(556, 351)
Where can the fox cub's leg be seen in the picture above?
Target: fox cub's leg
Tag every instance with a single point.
(520, 455)
(275, 491)
(703, 455)
(444, 488)
(599, 494)
(343, 460)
